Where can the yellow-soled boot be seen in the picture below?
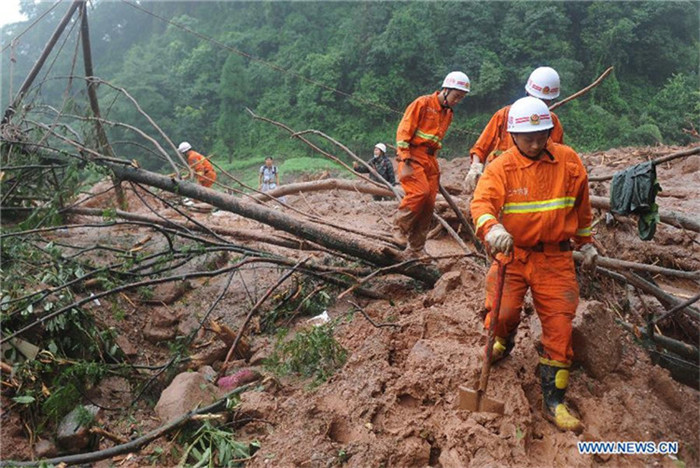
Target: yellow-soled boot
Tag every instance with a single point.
(555, 380)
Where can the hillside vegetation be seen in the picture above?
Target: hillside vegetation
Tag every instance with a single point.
(350, 68)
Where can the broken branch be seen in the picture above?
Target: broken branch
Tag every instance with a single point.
(583, 91)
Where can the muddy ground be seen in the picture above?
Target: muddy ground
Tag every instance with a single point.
(394, 401)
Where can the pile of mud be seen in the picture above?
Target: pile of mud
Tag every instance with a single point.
(394, 401)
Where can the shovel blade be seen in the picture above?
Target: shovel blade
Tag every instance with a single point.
(472, 400)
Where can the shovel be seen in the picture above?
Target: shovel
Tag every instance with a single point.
(476, 400)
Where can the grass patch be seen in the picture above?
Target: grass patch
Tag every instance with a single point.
(307, 164)
(311, 353)
(216, 446)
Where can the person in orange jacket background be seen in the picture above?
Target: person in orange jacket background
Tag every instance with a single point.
(206, 176)
(533, 200)
(418, 139)
(544, 84)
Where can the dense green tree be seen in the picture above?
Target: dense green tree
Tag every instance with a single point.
(349, 69)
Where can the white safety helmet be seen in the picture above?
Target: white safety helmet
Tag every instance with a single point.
(528, 115)
(543, 83)
(456, 80)
(381, 146)
(184, 147)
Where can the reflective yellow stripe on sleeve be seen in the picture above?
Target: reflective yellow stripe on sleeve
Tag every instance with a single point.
(483, 218)
(428, 136)
(402, 144)
(584, 232)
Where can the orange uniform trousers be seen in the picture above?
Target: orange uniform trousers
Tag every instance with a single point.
(420, 179)
(551, 278)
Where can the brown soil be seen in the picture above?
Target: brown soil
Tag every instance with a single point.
(394, 401)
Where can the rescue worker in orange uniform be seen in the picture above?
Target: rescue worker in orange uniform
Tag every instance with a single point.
(544, 84)
(206, 176)
(418, 139)
(533, 201)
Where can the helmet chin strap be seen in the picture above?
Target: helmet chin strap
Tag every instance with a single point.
(444, 94)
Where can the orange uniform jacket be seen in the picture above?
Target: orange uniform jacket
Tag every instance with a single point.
(495, 139)
(537, 201)
(202, 167)
(422, 128)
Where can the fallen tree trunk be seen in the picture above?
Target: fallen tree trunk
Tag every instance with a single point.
(682, 349)
(667, 300)
(624, 265)
(325, 185)
(669, 217)
(462, 219)
(373, 253)
(240, 234)
(663, 159)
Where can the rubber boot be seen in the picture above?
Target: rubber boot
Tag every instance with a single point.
(501, 348)
(403, 224)
(555, 380)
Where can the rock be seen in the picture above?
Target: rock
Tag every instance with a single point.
(597, 341)
(125, 345)
(208, 372)
(257, 405)
(206, 357)
(188, 325)
(167, 293)
(449, 282)
(691, 165)
(158, 335)
(451, 459)
(413, 451)
(162, 317)
(111, 391)
(45, 449)
(666, 388)
(420, 352)
(261, 351)
(186, 392)
(72, 435)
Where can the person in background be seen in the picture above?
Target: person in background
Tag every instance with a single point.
(269, 177)
(544, 84)
(532, 208)
(418, 139)
(206, 176)
(380, 163)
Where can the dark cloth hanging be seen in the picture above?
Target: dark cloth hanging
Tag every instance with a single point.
(633, 191)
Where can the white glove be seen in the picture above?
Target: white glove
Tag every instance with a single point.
(590, 256)
(475, 171)
(499, 239)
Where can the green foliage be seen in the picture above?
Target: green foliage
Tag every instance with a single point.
(307, 165)
(213, 446)
(302, 298)
(284, 60)
(310, 353)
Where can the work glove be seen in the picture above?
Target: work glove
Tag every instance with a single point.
(475, 171)
(590, 256)
(499, 239)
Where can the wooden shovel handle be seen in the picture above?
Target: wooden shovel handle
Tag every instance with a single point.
(495, 309)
